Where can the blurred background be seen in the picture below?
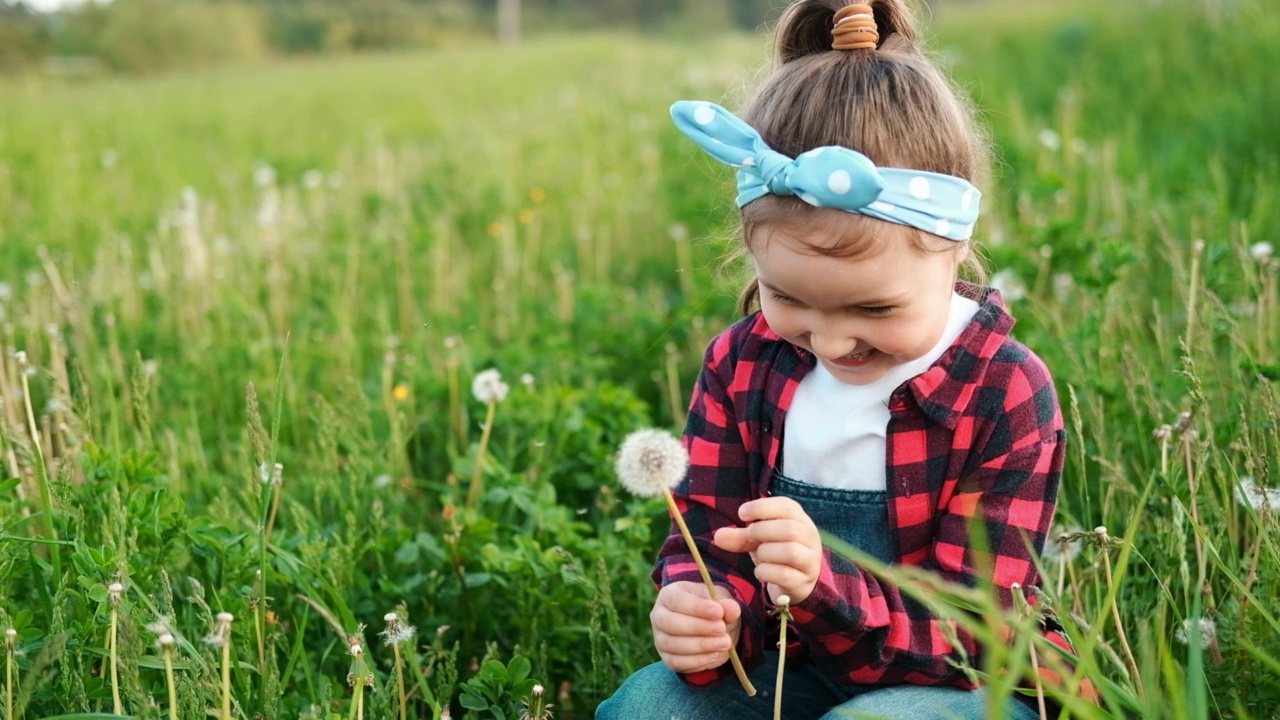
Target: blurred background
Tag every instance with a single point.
(150, 35)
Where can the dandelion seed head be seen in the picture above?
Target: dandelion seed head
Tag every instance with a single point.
(1262, 500)
(390, 617)
(651, 462)
(225, 617)
(537, 690)
(1261, 251)
(784, 600)
(166, 640)
(382, 481)
(1208, 632)
(21, 357)
(1008, 285)
(1049, 139)
(526, 380)
(488, 387)
(1197, 246)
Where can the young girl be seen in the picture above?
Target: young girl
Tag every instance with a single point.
(872, 396)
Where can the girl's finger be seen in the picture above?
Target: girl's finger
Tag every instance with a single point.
(694, 663)
(772, 531)
(771, 508)
(734, 539)
(781, 575)
(794, 554)
(672, 623)
(686, 645)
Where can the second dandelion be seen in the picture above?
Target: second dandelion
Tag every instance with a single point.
(650, 463)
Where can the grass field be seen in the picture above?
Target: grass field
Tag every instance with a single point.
(241, 312)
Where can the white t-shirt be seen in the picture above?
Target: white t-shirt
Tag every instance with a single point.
(835, 433)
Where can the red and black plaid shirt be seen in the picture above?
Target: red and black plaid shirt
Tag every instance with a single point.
(974, 442)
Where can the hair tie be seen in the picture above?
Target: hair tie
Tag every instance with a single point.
(854, 29)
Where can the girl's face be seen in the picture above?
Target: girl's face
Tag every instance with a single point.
(860, 316)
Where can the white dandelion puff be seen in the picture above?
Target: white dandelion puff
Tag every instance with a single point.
(1009, 286)
(1261, 251)
(1050, 139)
(397, 631)
(1262, 500)
(1208, 632)
(651, 462)
(221, 630)
(488, 387)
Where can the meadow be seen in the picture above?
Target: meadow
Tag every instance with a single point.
(241, 312)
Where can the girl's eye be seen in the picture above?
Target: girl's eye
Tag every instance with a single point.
(883, 310)
(787, 299)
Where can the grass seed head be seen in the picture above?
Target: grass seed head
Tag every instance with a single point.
(650, 462)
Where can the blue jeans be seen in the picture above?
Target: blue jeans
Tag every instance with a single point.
(656, 693)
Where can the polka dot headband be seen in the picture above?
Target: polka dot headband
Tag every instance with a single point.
(831, 177)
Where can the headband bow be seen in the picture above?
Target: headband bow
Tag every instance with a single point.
(831, 176)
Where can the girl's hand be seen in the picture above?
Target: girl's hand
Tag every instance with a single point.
(783, 542)
(691, 631)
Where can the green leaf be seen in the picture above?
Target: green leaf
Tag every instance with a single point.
(518, 670)
(473, 702)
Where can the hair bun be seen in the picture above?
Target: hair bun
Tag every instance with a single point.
(809, 27)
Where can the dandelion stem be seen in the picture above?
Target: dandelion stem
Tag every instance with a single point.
(226, 678)
(784, 616)
(395, 647)
(1197, 248)
(1035, 668)
(173, 689)
(116, 705)
(8, 680)
(42, 475)
(711, 588)
(473, 493)
(1115, 616)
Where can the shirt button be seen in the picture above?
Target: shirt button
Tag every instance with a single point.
(767, 426)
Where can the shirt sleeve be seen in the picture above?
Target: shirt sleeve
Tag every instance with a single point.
(717, 484)
(867, 631)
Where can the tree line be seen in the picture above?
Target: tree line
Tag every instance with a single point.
(138, 36)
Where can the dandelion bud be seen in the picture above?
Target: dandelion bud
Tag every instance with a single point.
(21, 357)
(356, 650)
(440, 631)
(784, 600)
(1197, 246)
(445, 714)
(10, 639)
(1101, 533)
(1164, 432)
(114, 590)
(651, 462)
(1261, 251)
(488, 387)
(537, 691)
(166, 640)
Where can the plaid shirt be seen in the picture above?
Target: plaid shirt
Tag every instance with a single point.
(975, 440)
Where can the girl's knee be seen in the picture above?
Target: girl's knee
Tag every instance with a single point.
(648, 693)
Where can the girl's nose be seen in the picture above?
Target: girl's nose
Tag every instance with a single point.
(832, 346)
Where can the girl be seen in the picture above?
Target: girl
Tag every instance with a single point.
(872, 396)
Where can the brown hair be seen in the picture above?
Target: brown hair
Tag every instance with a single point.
(892, 104)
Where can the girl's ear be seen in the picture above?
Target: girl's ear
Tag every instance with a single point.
(962, 253)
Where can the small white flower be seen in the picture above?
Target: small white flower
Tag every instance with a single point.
(1009, 286)
(651, 462)
(488, 387)
(1261, 251)
(1049, 139)
(1208, 632)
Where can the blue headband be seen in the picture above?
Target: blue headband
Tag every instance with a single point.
(831, 177)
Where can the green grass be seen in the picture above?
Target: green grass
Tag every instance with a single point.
(434, 215)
